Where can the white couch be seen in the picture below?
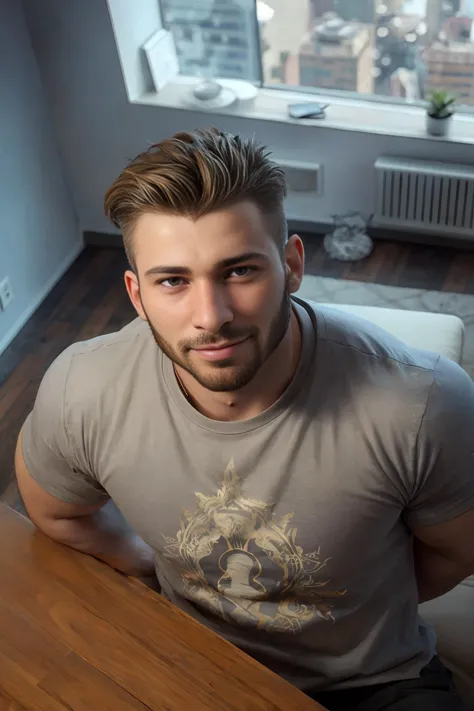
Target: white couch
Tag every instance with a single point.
(453, 614)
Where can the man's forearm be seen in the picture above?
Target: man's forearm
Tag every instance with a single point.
(435, 574)
(105, 535)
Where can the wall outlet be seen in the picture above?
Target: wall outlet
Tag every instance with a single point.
(6, 293)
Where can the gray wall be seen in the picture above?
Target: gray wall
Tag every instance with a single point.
(39, 231)
(99, 130)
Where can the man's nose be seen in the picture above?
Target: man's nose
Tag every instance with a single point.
(211, 307)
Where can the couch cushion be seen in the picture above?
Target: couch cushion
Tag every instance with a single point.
(441, 333)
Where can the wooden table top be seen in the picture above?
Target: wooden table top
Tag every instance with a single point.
(75, 634)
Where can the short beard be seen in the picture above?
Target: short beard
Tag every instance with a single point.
(220, 380)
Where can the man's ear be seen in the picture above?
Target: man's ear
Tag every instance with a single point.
(294, 263)
(133, 288)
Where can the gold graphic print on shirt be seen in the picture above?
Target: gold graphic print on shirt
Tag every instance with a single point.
(243, 564)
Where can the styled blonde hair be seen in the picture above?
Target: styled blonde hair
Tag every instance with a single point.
(192, 174)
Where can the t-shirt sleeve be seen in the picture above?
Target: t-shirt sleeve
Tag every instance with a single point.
(443, 456)
(52, 454)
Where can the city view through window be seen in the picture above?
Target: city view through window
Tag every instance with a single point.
(391, 48)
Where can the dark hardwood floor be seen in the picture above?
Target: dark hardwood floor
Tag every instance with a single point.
(91, 299)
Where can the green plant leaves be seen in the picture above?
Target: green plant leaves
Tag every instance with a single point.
(441, 104)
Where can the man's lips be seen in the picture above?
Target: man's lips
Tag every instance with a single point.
(220, 351)
(220, 346)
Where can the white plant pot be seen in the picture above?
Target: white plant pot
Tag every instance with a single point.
(438, 126)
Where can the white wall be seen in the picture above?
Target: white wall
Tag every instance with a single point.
(131, 34)
(99, 130)
(39, 231)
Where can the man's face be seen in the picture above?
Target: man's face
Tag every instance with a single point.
(215, 291)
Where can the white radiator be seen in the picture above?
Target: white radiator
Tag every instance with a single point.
(424, 196)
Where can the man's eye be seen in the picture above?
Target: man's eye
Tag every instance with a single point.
(241, 271)
(171, 282)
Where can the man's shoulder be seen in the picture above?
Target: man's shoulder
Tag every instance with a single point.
(352, 337)
(384, 380)
(110, 347)
(87, 367)
(128, 338)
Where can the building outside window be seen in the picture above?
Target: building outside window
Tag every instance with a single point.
(384, 48)
(215, 38)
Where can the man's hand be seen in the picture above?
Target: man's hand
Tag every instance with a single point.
(111, 540)
(105, 535)
(444, 555)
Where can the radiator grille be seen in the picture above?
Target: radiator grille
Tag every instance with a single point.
(425, 196)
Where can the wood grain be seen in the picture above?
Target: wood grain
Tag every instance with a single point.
(63, 674)
(75, 634)
(7, 704)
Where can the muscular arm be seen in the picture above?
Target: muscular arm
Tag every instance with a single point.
(98, 530)
(440, 507)
(444, 555)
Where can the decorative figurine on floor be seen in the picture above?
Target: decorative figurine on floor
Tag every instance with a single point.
(349, 241)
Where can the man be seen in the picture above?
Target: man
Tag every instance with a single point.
(299, 478)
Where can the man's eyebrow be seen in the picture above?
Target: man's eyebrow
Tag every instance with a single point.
(239, 258)
(178, 271)
(223, 264)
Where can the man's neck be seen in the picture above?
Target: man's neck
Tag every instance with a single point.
(261, 393)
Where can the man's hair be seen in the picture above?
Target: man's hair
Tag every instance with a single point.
(193, 174)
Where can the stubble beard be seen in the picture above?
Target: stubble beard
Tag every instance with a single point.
(225, 376)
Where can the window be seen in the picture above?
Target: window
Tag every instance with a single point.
(386, 48)
(215, 38)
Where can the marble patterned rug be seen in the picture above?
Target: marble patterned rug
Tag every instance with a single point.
(325, 290)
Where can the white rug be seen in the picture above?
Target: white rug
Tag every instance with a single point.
(343, 291)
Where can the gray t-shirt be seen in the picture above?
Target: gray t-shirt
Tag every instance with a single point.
(288, 533)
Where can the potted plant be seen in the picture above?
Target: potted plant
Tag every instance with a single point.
(440, 113)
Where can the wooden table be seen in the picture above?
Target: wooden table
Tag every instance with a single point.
(75, 634)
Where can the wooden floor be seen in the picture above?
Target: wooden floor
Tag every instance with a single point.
(91, 299)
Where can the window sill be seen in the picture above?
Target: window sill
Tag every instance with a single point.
(345, 114)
